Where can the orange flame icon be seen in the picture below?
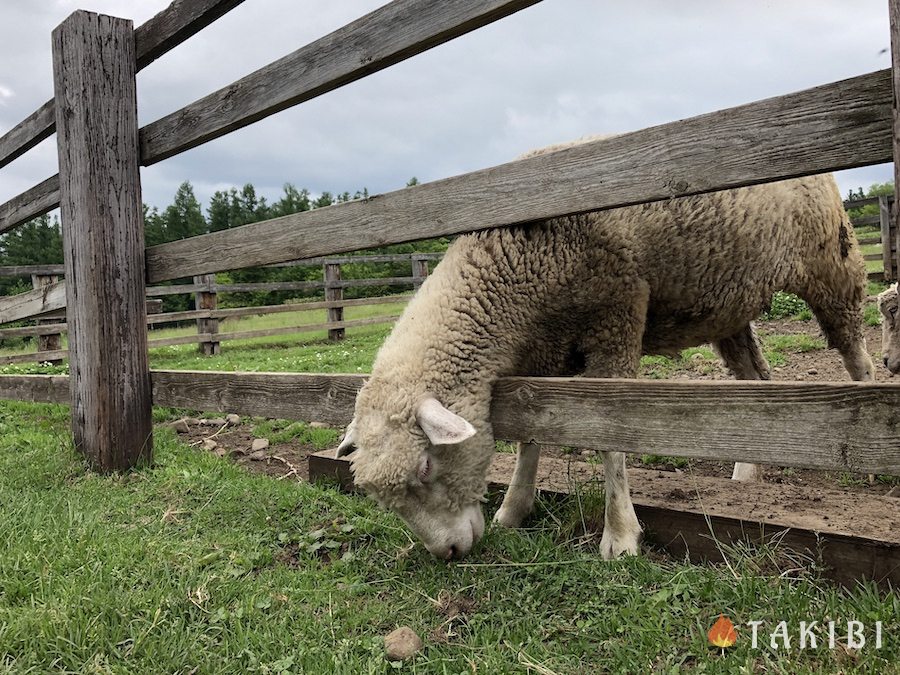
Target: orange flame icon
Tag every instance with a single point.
(722, 634)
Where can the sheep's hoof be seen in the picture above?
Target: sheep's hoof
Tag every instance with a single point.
(614, 545)
(510, 517)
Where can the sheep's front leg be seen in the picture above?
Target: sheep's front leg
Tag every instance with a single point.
(519, 499)
(614, 350)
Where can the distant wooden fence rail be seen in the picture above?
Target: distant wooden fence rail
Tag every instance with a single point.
(838, 125)
(48, 297)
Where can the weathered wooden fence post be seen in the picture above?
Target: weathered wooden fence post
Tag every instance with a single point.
(53, 341)
(103, 239)
(207, 299)
(419, 271)
(334, 293)
(884, 214)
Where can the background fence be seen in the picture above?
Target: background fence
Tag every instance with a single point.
(50, 326)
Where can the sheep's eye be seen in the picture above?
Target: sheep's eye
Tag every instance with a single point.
(893, 311)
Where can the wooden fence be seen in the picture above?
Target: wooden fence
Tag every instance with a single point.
(887, 236)
(207, 314)
(110, 390)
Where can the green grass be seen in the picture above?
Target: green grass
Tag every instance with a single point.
(194, 565)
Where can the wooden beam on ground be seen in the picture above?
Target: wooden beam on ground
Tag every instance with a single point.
(35, 388)
(165, 31)
(388, 35)
(853, 536)
(835, 126)
(55, 356)
(103, 239)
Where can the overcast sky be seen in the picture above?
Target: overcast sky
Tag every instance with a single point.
(550, 73)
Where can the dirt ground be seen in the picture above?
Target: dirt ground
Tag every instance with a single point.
(288, 460)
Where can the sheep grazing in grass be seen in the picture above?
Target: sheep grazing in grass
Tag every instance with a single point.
(890, 329)
(587, 294)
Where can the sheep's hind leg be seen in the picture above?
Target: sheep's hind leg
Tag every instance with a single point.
(519, 499)
(744, 358)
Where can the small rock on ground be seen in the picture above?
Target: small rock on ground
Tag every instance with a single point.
(259, 444)
(318, 425)
(402, 644)
(233, 420)
(181, 427)
(209, 444)
(258, 456)
(213, 422)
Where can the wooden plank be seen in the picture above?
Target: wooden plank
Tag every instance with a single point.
(352, 259)
(865, 220)
(165, 31)
(875, 256)
(836, 126)
(859, 203)
(304, 306)
(322, 398)
(169, 317)
(35, 388)
(309, 285)
(36, 357)
(103, 239)
(28, 331)
(174, 289)
(34, 202)
(268, 332)
(868, 241)
(386, 36)
(32, 303)
(305, 328)
(689, 515)
(28, 270)
(845, 427)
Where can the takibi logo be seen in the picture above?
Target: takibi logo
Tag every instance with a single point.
(808, 635)
(722, 634)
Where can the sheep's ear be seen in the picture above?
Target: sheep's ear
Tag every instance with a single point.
(348, 442)
(442, 426)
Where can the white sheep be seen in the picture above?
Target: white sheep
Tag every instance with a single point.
(890, 329)
(587, 294)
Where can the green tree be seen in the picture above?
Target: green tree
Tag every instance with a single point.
(184, 218)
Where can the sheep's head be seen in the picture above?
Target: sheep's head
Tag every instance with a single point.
(890, 328)
(427, 464)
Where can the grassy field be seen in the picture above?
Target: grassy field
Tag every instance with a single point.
(194, 566)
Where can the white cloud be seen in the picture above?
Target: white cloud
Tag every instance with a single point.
(553, 72)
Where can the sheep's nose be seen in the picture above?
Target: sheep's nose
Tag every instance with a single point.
(885, 360)
(452, 552)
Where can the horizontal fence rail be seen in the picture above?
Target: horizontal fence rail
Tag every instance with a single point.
(836, 126)
(829, 426)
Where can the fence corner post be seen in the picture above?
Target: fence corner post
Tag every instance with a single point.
(334, 293)
(207, 299)
(50, 342)
(103, 239)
